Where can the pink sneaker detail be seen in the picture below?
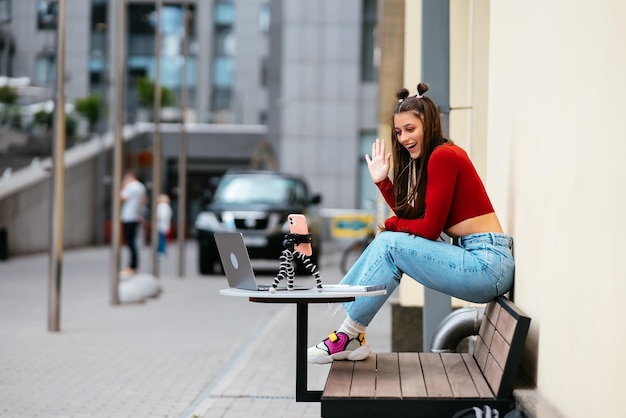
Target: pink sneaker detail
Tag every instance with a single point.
(339, 344)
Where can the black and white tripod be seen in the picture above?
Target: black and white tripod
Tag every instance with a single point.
(287, 269)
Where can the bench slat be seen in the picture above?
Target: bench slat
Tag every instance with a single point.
(493, 373)
(388, 376)
(364, 378)
(479, 380)
(499, 349)
(459, 378)
(435, 377)
(481, 351)
(506, 325)
(492, 310)
(487, 328)
(411, 376)
(339, 379)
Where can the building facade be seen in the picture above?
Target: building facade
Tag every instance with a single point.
(304, 69)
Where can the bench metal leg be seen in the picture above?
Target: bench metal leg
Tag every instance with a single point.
(302, 326)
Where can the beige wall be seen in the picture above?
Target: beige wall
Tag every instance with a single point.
(542, 90)
(555, 172)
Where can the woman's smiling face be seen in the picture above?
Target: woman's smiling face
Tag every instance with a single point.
(409, 132)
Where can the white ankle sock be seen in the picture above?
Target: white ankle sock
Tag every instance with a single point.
(351, 328)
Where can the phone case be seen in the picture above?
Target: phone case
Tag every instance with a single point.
(298, 225)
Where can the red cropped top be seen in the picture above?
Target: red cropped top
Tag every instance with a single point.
(454, 193)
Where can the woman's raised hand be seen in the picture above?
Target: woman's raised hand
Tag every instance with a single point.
(378, 164)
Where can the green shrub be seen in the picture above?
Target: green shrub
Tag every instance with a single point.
(145, 92)
(90, 108)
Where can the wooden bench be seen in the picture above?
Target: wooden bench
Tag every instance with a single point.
(433, 384)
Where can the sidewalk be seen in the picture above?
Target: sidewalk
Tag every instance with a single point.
(188, 353)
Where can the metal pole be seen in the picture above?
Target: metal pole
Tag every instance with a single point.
(118, 119)
(182, 151)
(435, 68)
(157, 146)
(58, 180)
(100, 173)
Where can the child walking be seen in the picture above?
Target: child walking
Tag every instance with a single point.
(164, 219)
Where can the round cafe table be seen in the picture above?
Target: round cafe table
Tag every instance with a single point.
(302, 299)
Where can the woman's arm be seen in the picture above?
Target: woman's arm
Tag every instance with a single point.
(442, 173)
(386, 189)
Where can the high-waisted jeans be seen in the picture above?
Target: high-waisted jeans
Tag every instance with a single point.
(478, 269)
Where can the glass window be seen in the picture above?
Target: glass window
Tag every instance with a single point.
(264, 18)
(224, 13)
(223, 72)
(368, 41)
(223, 50)
(45, 70)
(5, 10)
(47, 11)
(98, 17)
(367, 191)
(221, 99)
(140, 19)
(224, 42)
(172, 21)
(264, 72)
(140, 66)
(98, 51)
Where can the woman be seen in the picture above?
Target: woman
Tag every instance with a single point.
(434, 188)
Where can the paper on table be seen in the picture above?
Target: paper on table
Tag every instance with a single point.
(350, 288)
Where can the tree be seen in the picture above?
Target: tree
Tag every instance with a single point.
(45, 119)
(11, 114)
(90, 108)
(145, 91)
(8, 95)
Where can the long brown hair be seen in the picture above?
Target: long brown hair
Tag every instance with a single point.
(410, 176)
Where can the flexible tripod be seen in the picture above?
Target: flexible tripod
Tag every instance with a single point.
(287, 270)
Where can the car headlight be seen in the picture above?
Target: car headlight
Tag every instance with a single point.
(209, 222)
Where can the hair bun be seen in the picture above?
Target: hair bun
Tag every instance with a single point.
(422, 88)
(402, 94)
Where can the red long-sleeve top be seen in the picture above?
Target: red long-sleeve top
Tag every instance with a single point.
(454, 193)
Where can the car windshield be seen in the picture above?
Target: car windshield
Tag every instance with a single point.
(260, 189)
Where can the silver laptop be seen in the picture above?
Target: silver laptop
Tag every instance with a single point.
(236, 263)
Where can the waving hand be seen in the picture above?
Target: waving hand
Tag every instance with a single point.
(378, 165)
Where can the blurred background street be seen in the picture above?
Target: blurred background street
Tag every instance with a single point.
(189, 352)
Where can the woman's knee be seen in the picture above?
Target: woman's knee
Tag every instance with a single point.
(385, 239)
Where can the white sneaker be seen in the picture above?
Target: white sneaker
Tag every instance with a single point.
(339, 346)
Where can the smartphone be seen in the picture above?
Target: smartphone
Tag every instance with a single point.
(298, 225)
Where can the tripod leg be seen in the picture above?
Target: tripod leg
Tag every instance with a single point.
(312, 268)
(291, 272)
(283, 271)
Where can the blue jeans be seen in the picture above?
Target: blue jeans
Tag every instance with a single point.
(479, 269)
(162, 244)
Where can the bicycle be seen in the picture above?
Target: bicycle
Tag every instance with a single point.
(354, 251)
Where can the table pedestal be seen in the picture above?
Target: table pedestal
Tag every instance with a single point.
(302, 298)
(303, 394)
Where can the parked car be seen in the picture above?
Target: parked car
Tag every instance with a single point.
(256, 203)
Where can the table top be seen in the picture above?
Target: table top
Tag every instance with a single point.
(300, 296)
